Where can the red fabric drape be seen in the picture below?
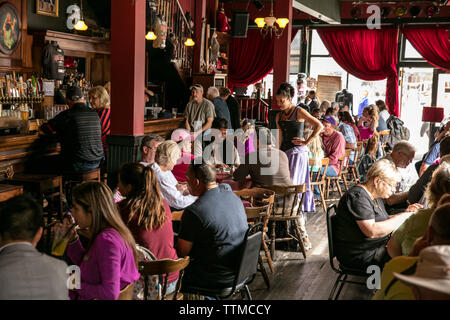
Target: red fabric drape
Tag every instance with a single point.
(432, 43)
(251, 58)
(370, 55)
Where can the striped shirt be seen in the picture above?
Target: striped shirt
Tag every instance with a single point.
(79, 132)
(104, 115)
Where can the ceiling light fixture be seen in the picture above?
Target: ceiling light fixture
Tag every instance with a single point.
(267, 25)
(400, 11)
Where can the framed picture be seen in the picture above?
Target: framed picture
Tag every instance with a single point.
(10, 28)
(48, 7)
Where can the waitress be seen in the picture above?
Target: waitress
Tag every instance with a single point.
(291, 121)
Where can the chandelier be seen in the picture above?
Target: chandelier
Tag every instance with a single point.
(268, 25)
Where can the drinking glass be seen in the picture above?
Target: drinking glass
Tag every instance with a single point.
(59, 242)
(174, 112)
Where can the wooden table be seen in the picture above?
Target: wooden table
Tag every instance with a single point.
(8, 191)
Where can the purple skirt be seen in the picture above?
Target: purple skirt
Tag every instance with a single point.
(299, 167)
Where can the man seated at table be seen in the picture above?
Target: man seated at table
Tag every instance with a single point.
(149, 144)
(267, 166)
(25, 273)
(402, 156)
(350, 138)
(79, 131)
(212, 231)
(334, 148)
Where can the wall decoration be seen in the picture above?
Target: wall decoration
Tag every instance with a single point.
(11, 28)
(48, 7)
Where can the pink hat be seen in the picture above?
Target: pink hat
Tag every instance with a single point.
(180, 135)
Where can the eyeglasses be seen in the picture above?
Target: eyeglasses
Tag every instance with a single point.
(390, 185)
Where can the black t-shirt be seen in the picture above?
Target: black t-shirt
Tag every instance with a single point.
(53, 62)
(216, 224)
(353, 248)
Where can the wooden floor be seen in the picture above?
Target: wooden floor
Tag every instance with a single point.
(312, 279)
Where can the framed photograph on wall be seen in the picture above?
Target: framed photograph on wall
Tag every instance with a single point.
(48, 7)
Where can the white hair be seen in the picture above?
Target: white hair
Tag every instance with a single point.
(212, 92)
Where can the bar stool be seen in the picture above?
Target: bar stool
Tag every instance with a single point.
(71, 179)
(42, 186)
(8, 191)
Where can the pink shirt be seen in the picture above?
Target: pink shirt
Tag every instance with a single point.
(334, 148)
(108, 267)
(179, 170)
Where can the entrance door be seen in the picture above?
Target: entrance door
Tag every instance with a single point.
(416, 93)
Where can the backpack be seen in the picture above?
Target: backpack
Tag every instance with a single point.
(364, 164)
(398, 131)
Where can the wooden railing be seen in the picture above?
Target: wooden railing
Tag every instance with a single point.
(255, 108)
(178, 25)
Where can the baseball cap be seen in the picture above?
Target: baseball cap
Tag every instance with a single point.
(196, 86)
(329, 120)
(432, 271)
(74, 93)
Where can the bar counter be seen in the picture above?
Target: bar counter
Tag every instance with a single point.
(16, 150)
(163, 127)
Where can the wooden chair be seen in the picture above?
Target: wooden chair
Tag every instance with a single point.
(291, 211)
(353, 168)
(342, 175)
(260, 198)
(384, 136)
(318, 179)
(127, 292)
(164, 267)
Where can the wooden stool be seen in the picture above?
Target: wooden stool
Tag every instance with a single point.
(8, 191)
(73, 178)
(41, 185)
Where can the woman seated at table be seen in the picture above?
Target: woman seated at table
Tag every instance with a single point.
(402, 240)
(183, 138)
(368, 123)
(176, 195)
(362, 226)
(108, 263)
(147, 214)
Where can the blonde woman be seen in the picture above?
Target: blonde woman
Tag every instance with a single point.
(402, 240)
(99, 100)
(315, 150)
(108, 263)
(362, 226)
(176, 195)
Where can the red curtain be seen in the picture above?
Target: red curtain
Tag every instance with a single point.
(432, 43)
(370, 55)
(251, 58)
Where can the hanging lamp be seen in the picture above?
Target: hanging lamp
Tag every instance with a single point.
(268, 24)
(81, 25)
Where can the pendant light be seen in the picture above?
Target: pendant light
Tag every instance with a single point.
(81, 25)
(150, 34)
(189, 42)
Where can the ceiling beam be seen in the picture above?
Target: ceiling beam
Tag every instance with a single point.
(328, 11)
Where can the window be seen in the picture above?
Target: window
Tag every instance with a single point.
(295, 53)
(411, 52)
(317, 46)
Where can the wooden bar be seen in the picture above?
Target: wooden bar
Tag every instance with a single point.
(163, 127)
